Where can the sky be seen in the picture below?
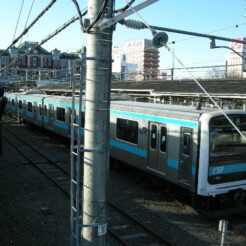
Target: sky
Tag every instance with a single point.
(218, 17)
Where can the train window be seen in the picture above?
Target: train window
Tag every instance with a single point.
(75, 117)
(45, 110)
(82, 119)
(39, 109)
(51, 111)
(186, 144)
(13, 102)
(60, 114)
(153, 136)
(127, 130)
(35, 110)
(163, 139)
(29, 106)
(20, 104)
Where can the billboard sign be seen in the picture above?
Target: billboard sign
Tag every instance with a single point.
(239, 47)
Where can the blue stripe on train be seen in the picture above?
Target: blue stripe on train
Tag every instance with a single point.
(161, 119)
(226, 169)
(61, 124)
(128, 148)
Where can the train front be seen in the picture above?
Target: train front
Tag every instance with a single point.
(222, 161)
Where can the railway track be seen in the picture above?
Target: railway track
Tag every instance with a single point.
(126, 229)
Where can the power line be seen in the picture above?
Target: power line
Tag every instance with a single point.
(84, 28)
(18, 19)
(214, 31)
(28, 16)
(30, 26)
(50, 36)
(79, 13)
(212, 37)
(127, 6)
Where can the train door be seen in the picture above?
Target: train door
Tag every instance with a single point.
(51, 115)
(185, 164)
(69, 120)
(35, 111)
(157, 147)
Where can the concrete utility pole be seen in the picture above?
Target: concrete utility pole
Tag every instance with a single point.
(96, 146)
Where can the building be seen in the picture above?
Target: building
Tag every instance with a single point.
(142, 54)
(29, 61)
(236, 65)
(121, 70)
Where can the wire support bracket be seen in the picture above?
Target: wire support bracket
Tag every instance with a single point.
(102, 59)
(108, 22)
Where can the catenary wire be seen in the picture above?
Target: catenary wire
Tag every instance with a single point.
(58, 30)
(100, 12)
(215, 31)
(197, 82)
(127, 6)
(105, 2)
(30, 26)
(18, 19)
(79, 13)
(210, 97)
(28, 17)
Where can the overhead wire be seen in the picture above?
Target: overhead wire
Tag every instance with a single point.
(210, 97)
(18, 19)
(127, 6)
(91, 25)
(30, 26)
(193, 77)
(50, 36)
(214, 31)
(79, 13)
(103, 6)
(30, 10)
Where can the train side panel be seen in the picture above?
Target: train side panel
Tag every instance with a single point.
(165, 150)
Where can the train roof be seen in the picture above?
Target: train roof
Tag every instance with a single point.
(175, 111)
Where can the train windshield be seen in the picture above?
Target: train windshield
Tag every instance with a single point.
(227, 148)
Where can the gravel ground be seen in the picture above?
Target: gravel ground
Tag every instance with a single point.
(34, 212)
(29, 211)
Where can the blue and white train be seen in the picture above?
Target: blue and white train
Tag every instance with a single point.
(195, 149)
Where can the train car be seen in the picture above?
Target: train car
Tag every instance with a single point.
(195, 149)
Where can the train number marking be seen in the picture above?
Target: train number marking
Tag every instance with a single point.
(217, 170)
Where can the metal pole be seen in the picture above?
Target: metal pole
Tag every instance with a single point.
(96, 146)
(223, 225)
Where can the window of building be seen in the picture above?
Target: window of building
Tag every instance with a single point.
(24, 61)
(29, 106)
(45, 63)
(60, 114)
(127, 130)
(35, 61)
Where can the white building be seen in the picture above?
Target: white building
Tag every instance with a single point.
(121, 69)
(142, 54)
(236, 65)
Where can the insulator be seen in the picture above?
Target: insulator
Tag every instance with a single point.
(134, 24)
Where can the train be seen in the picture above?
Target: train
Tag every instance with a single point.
(195, 149)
